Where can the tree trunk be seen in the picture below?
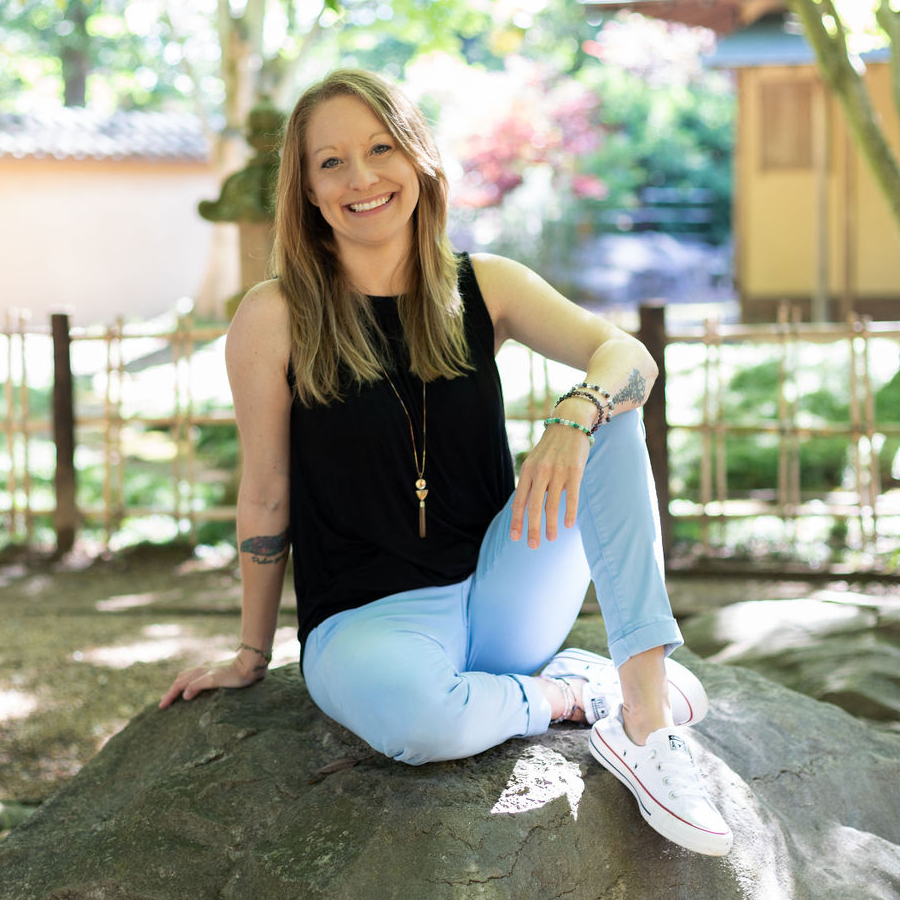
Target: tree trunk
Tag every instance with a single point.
(74, 56)
(889, 22)
(838, 70)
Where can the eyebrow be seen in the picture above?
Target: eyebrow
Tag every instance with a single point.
(371, 136)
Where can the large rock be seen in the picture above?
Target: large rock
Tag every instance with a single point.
(838, 646)
(254, 795)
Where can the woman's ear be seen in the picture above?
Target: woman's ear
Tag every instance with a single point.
(311, 196)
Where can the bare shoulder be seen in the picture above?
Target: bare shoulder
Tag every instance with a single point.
(261, 323)
(262, 301)
(497, 275)
(506, 285)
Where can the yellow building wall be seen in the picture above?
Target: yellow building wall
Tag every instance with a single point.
(878, 239)
(103, 238)
(776, 215)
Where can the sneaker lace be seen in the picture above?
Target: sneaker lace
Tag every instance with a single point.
(679, 774)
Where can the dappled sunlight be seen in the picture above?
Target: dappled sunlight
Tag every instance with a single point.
(539, 776)
(759, 859)
(783, 624)
(160, 642)
(125, 601)
(16, 705)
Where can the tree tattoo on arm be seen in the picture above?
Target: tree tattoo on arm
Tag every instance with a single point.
(267, 549)
(635, 391)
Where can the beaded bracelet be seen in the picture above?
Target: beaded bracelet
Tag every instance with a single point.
(602, 411)
(555, 420)
(266, 656)
(603, 393)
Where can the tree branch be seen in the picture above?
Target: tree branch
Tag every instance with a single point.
(889, 22)
(838, 70)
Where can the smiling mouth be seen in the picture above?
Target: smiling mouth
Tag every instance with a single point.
(370, 204)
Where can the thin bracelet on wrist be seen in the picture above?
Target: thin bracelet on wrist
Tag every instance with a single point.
(266, 656)
(585, 391)
(556, 420)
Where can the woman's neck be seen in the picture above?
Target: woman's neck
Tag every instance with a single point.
(376, 271)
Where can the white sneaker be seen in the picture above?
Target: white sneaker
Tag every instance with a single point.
(665, 781)
(602, 694)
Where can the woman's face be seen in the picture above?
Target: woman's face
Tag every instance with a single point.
(360, 179)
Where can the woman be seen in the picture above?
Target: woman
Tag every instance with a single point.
(371, 420)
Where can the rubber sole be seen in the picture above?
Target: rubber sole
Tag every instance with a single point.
(661, 819)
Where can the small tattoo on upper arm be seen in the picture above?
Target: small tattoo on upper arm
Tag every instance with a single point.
(635, 391)
(266, 549)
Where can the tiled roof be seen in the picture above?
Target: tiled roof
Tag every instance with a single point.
(75, 133)
(774, 40)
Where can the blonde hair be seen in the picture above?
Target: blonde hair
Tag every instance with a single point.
(332, 325)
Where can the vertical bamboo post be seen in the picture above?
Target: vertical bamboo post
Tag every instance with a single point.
(709, 338)
(63, 434)
(856, 425)
(795, 494)
(874, 476)
(186, 325)
(10, 428)
(783, 495)
(720, 429)
(118, 450)
(107, 440)
(652, 335)
(24, 415)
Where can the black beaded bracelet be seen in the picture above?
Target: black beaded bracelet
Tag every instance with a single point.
(582, 390)
(601, 409)
(603, 393)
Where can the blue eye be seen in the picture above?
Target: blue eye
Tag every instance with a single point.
(330, 163)
(381, 149)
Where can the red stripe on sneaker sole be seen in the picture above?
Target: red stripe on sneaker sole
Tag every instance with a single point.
(627, 779)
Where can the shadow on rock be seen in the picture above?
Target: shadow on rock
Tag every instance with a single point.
(253, 793)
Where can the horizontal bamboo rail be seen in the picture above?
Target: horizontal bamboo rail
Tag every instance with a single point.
(112, 422)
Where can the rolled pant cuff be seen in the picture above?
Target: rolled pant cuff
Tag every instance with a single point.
(664, 633)
(537, 704)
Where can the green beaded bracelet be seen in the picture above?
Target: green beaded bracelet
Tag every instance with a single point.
(555, 420)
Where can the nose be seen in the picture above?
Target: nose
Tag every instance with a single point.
(362, 175)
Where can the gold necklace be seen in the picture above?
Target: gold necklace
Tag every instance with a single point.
(421, 486)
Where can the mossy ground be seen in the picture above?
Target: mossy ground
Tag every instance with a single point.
(89, 642)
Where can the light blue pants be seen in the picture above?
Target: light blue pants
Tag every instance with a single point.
(446, 672)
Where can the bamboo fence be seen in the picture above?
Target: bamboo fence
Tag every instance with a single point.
(862, 499)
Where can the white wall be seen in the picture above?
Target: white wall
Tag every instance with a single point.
(99, 239)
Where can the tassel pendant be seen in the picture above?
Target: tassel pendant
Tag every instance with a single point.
(421, 493)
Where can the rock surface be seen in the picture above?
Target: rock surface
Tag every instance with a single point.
(838, 646)
(253, 794)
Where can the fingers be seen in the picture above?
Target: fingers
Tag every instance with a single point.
(520, 499)
(187, 685)
(540, 489)
(572, 502)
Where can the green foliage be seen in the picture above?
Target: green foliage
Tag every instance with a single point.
(673, 136)
(39, 403)
(752, 461)
(218, 446)
(887, 401)
(94, 51)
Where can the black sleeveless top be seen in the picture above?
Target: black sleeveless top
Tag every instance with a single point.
(353, 510)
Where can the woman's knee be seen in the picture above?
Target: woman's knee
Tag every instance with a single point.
(410, 716)
(438, 726)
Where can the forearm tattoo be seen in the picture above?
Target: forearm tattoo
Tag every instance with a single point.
(267, 549)
(635, 391)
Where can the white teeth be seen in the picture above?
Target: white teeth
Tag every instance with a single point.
(372, 204)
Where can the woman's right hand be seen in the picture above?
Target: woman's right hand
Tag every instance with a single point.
(235, 673)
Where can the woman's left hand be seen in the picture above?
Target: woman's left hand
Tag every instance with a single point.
(556, 464)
